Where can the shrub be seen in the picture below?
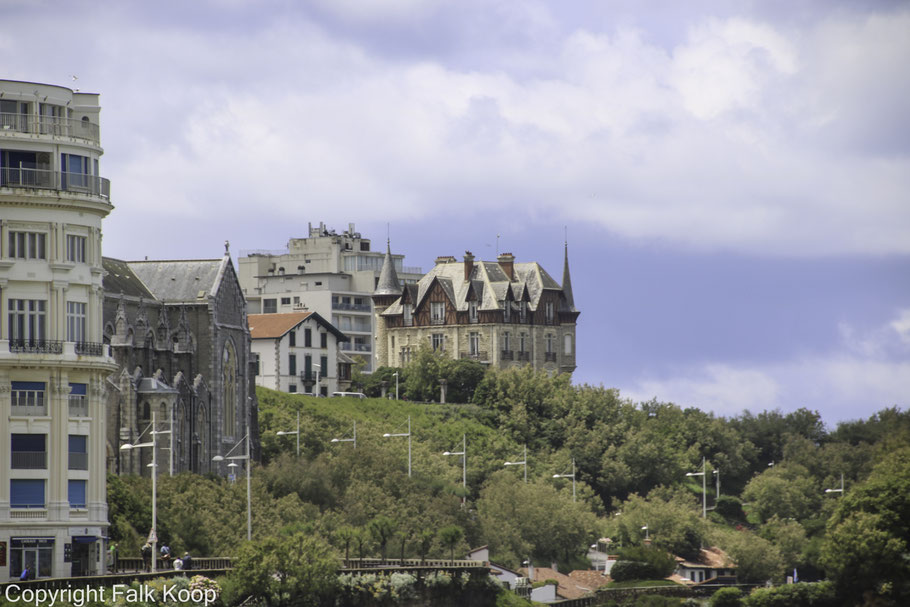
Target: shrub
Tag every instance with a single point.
(814, 594)
(727, 597)
(642, 563)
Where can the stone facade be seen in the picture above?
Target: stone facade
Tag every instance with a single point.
(500, 313)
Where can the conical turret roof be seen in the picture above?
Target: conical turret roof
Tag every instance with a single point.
(567, 283)
(388, 279)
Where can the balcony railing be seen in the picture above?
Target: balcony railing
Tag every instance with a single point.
(549, 357)
(524, 355)
(87, 348)
(78, 405)
(78, 461)
(350, 306)
(50, 125)
(29, 460)
(36, 513)
(348, 347)
(507, 355)
(28, 410)
(480, 355)
(43, 179)
(35, 346)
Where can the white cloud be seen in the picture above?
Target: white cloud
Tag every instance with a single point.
(901, 325)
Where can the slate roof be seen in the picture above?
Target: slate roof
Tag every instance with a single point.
(181, 280)
(119, 278)
(568, 588)
(388, 279)
(489, 282)
(274, 326)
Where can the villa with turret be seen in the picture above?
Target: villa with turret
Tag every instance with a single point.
(502, 313)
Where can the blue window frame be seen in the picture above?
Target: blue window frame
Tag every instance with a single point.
(77, 493)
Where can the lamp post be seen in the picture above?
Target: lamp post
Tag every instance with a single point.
(645, 529)
(704, 489)
(296, 432)
(523, 462)
(572, 476)
(348, 440)
(396, 384)
(841, 490)
(464, 465)
(717, 492)
(154, 465)
(249, 504)
(408, 434)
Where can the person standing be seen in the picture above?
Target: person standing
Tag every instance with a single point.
(187, 561)
(147, 556)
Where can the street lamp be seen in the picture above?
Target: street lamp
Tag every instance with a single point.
(464, 465)
(645, 529)
(523, 462)
(704, 489)
(717, 496)
(572, 476)
(408, 434)
(249, 505)
(348, 440)
(289, 432)
(841, 490)
(154, 465)
(396, 384)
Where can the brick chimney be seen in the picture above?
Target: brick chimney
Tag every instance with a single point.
(468, 264)
(507, 263)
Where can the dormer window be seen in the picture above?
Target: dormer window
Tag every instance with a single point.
(408, 315)
(549, 310)
(472, 311)
(507, 311)
(523, 311)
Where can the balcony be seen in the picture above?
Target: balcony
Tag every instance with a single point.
(526, 356)
(479, 355)
(35, 346)
(78, 405)
(87, 348)
(28, 410)
(33, 514)
(347, 346)
(29, 460)
(549, 357)
(351, 307)
(78, 461)
(42, 179)
(507, 355)
(50, 125)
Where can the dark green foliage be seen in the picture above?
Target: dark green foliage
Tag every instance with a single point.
(730, 508)
(451, 536)
(657, 563)
(656, 600)
(817, 594)
(727, 597)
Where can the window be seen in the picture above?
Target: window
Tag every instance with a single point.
(269, 306)
(26, 493)
(29, 451)
(507, 311)
(296, 299)
(550, 339)
(308, 368)
(27, 398)
(472, 311)
(408, 315)
(549, 311)
(77, 493)
(292, 338)
(474, 343)
(405, 355)
(78, 457)
(323, 340)
(437, 312)
(523, 311)
(567, 344)
(75, 171)
(438, 342)
(37, 553)
(75, 248)
(77, 404)
(324, 366)
(285, 301)
(522, 342)
(75, 321)
(292, 388)
(229, 389)
(506, 341)
(27, 245)
(307, 338)
(292, 364)
(27, 319)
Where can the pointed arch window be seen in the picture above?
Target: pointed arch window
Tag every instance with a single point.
(229, 389)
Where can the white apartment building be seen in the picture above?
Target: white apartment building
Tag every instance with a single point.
(298, 352)
(53, 363)
(329, 273)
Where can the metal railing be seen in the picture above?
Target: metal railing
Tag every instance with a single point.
(28, 410)
(350, 306)
(524, 356)
(35, 346)
(43, 179)
(51, 125)
(78, 461)
(480, 355)
(88, 348)
(78, 405)
(507, 355)
(29, 460)
(549, 356)
(348, 346)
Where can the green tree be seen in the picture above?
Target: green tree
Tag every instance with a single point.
(345, 536)
(299, 569)
(726, 597)
(785, 490)
(450, 537)
(757, 560)
(382, 528)
(424, 543)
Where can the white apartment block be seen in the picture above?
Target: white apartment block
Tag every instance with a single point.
(326, 272)
(53, 363)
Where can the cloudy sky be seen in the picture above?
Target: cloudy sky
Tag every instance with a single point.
(733, 177)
